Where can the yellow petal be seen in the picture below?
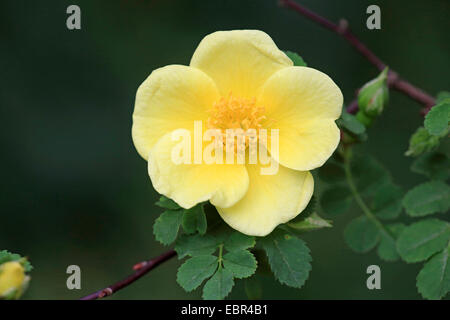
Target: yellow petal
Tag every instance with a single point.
(171, 97)
(189, 184)
(307, 145)
(269, 201)
(239, 61)
(303, 104)
(301, 93)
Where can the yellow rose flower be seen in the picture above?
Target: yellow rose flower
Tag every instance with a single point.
(12, 279)
(239, 78)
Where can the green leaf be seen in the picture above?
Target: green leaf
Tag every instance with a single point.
(421, 141)
(336, 201)
(167, 203)
(441, 96)
(387, 250)
(241, 263)
(296, 59)
(313, 222)
(433, 281)
(253, 288)
(387, 202)
(219, 286)
(195, 245)
(361, 234)
(6, 256)
(194, 220)
(436, 120)
(427, 198)
(289, 258)
(350, 123)
(192, 272)
(422, 239)
(166, 226)
(434, 165)
(239, 241)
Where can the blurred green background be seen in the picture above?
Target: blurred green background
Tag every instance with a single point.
(73, 188)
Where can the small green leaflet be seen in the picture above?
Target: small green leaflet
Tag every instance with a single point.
(387, 202)
(242, 263)
(296, 59)
(195, 245)
(167, 225)
(194, 220)
(387, 249)
(289, 258)
(436, 120)
(422, 239)
(434, 165)
(427, 198)
(238, 241)
(421, 141)
(350, 123)
(219, 286)
(167, 203)
(194, 270)
(361, 234)
(433, 281)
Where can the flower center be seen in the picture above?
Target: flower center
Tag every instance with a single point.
(242, 116)
(235, 113)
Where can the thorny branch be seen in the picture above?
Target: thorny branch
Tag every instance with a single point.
(342, 29)
(140, 270)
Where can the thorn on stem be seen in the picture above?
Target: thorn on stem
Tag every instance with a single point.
(342, 26)
(139, 265)
(105, 292)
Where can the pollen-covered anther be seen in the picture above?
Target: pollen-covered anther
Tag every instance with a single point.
(236, 113)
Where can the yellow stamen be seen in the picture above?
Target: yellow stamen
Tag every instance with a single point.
(236, 113)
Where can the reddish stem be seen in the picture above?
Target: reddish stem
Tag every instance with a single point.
(342, 29)
(141, 269)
